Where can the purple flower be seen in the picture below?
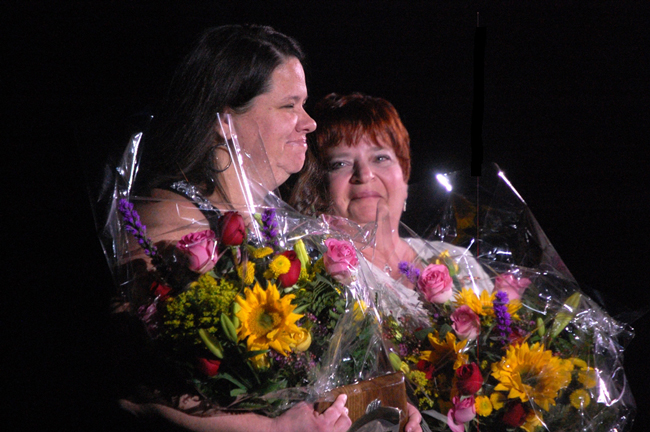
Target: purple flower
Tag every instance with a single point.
(133, 226)
(411, 272)
(270, 226)
(502, 316)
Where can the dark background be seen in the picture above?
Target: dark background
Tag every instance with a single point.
(567, 115)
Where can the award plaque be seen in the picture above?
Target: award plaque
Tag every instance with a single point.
(378, 404)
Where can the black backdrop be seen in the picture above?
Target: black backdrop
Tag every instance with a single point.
(567, 115)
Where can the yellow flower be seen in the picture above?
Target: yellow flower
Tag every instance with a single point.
(483, 406)
(267, 321)
(446, 350)
(446, 260)
(303, 340)
(278, 266)
(580, 399)
(483, 305)
(532, 373)
(260, 361)
(359, 310)
(480, 305)
(532, 422)
(498, 400)
(588, 377)
(262, 252)
(247, 276)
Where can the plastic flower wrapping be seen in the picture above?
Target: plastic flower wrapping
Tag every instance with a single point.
(503, 337)
(259, 309)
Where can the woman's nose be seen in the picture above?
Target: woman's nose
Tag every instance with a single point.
(362, 173)
(306, 124)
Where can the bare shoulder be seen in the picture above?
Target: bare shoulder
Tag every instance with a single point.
(169, 216)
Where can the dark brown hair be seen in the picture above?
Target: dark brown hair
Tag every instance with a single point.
(228, 67)
(345, 120)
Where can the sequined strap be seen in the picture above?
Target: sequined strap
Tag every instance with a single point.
(192, 193)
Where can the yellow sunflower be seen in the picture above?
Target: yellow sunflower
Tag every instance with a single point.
(532, 373)
(483, 305)
(445, 350)
(533, 422)
(267, 320)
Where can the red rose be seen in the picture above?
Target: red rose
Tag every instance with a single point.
(515, 416)
(468, 379)
(159, 290)
(290, 277)
(208, 367)
(427, 368)
(233, 229)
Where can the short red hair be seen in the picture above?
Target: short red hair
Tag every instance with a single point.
(345, 120)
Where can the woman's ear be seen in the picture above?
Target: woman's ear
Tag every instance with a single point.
(222, 125)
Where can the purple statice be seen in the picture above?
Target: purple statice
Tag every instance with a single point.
(411, 272)
(502, 316)
(270, 226)
(133, 226)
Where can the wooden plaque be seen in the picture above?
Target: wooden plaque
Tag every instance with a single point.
(367, 396)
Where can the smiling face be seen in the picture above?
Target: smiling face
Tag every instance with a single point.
(363, 175)
(279, 118)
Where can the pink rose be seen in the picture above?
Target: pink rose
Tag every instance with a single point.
(466, 323)
(435, 283)
(512, 286)
(462, 412)
(340, 258)
(200, 249)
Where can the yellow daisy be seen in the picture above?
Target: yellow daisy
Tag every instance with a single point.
(246, 272)
(267, 320)
(483, 406)
(532, 373)
(278, 266)
(580, 399)
(262, 252)
(446, 350)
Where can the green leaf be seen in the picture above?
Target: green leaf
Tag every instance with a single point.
(250, 354)
(422, 334)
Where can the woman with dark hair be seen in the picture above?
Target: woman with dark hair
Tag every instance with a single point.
(358, 166)
(187, 176)
(253, 73)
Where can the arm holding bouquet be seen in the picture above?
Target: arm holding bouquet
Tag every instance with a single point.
(299, 418)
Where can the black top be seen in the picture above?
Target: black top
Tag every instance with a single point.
(204, 205)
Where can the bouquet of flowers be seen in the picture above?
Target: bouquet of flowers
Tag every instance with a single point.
(263, 309)
(529, 351)
(245, 322)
